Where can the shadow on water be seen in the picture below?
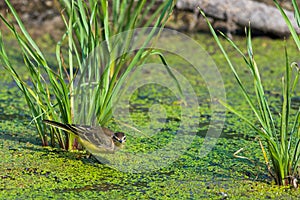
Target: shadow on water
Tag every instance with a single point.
(15, 127)
(19, 139)
(97, 187)
(10, 117)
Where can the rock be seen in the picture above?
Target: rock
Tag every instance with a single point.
(237, 14)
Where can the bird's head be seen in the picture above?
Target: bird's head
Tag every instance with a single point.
(119, 138)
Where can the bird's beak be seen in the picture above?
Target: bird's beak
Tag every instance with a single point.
(121, 141)
(118, 140)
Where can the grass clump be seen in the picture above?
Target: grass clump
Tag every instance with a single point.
(50, 91)
(280, 133)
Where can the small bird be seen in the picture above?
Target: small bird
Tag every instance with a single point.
(96, 139)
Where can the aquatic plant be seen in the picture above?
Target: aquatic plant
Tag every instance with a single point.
(289, 23)
(282, 139)
(49, 91)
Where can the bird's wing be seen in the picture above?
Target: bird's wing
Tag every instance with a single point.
(107, 132)
(95, 139)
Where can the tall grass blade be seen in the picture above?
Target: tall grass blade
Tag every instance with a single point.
(288, 22)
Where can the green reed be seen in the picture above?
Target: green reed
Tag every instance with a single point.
(281, 140)
(51, 92)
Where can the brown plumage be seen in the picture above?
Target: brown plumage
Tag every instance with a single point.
(95, 139)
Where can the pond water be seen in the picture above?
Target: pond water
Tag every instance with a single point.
(31, 171)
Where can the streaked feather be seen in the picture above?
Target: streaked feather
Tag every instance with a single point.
(95, 139)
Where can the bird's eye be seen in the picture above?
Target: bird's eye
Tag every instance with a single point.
(124, 138)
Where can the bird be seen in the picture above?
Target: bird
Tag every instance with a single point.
(95, 139)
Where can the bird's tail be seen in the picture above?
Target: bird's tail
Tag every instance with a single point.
(65, 127)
